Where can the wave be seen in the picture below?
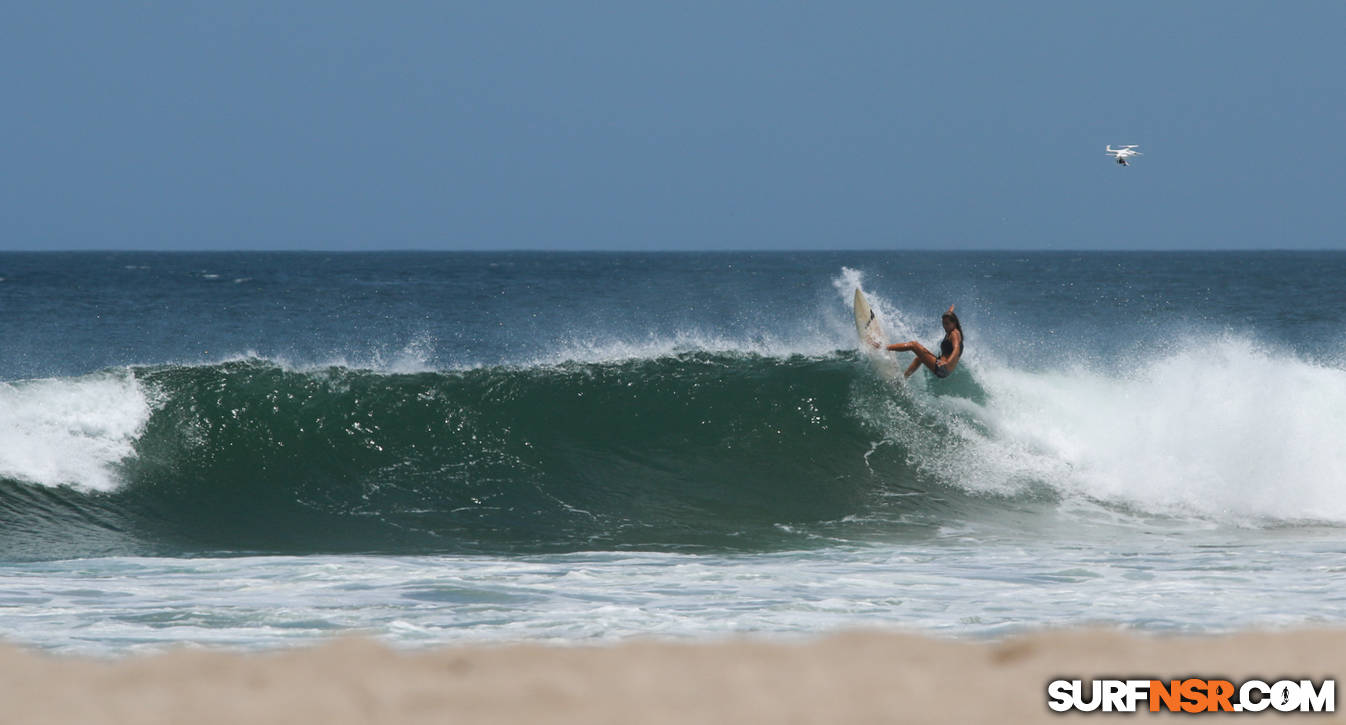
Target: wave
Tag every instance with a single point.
(692, 449)
(695, 449)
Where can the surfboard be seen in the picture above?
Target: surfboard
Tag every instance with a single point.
(872, 338)
(866, 322)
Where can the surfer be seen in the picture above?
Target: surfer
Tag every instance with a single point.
(950, 349)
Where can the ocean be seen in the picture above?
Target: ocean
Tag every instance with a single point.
(260, 450)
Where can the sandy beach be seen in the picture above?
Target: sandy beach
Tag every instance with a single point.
(854, 677)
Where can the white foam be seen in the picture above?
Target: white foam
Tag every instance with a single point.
(1223, 429)
(70, 431)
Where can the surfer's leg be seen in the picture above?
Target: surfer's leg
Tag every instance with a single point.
(923, 356)
(926, 357)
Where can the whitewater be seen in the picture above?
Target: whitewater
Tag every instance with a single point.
(1150, 442)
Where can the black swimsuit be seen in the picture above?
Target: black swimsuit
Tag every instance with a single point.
(945, 350)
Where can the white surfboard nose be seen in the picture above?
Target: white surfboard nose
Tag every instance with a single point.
(872, 339)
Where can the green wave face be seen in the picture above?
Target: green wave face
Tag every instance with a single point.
(701, 450)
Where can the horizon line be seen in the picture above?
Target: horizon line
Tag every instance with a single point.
(738, 250)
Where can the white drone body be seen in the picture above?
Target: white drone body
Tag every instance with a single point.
(1124, 153)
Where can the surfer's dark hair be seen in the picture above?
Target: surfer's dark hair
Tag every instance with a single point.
(956, 325)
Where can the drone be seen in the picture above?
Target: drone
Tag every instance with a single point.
(1124, 153)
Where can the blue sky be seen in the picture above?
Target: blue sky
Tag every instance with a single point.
(676, 125)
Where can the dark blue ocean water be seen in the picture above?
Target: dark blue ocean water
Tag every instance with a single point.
(251, 448)
(72, 313)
